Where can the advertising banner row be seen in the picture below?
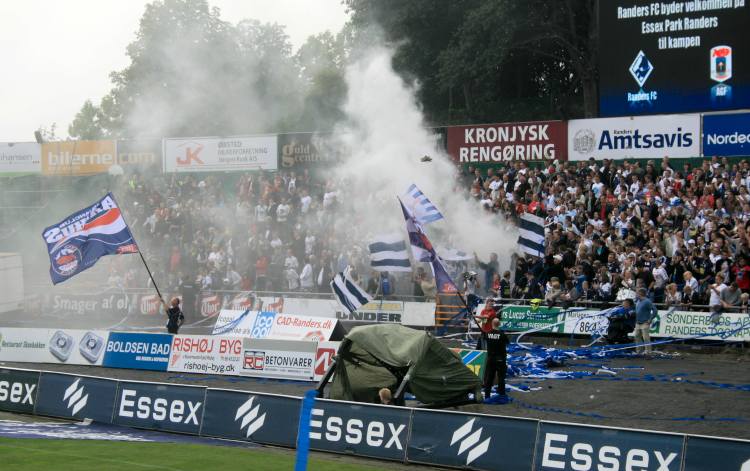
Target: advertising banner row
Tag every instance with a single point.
(673, 324)
(629, 137)
(118, 304)
(224, 355)
(462, 440)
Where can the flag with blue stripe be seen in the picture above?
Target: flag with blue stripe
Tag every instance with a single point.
(420, 206)
(531, 235)
(388, 253)
(350, 296)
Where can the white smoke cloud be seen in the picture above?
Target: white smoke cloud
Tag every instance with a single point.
(385, 138)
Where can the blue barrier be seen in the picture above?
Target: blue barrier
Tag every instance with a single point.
(456, 439)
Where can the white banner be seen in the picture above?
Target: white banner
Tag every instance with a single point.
(213, 154)
(272, 325)
(73, 347)
(20, 157)
(206, 354)
(643, 137)
(279, 359)
(398, 312)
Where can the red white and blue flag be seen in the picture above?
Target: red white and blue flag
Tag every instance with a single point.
(425, 252)
(77, 242)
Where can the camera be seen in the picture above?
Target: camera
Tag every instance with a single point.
(470, 275)
(60, 345)
(91, 347)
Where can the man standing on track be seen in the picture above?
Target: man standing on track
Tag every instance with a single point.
(497, 354)
(645, 311)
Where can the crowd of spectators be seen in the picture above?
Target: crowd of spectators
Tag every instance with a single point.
(265, 232)
(612, 227)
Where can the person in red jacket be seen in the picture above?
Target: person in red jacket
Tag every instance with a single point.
(741, 273)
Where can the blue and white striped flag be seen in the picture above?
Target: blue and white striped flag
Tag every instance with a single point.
(422, 208)
(349, 295)
(531, 237)
(388, 253)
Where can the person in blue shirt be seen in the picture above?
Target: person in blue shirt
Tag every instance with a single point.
(645, 311)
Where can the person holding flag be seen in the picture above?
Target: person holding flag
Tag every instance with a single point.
(174, 315)
(77, 242)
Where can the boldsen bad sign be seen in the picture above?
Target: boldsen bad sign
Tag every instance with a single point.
(505, 142)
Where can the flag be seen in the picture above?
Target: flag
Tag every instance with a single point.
(351, 296)
(454, 255)
(388, 253)
(78, 241)
(531, 237)
(420, 206)
(422, 247)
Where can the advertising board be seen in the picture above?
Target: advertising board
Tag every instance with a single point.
(473, 359)
(703, 454)
(260, 418)
(362, 429)
(273, 325)
(467, 440)
(141, 154)
(139, 351)
(506, 142)
(584, 448)
(73, 158)
(20, 157)
(281, 359)
(165, 407)
(18, 390)
(215, 154)
(298, 151)
(378, 311)
(673, 57)
(324, 358)
(115, 303)
(76, 397)
(74, 347)
(520, 318)
(206, 354)
(643, 137)
(726, 134)
(682, 324)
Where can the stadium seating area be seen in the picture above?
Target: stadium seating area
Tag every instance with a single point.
(611, 227)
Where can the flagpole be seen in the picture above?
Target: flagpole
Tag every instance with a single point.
(148, 270)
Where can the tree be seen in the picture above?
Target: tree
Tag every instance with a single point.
(192, 74)
(86, 123)
(490, 60)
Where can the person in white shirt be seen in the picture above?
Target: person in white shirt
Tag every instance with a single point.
(291, 261)
(714, 302)
(306, 277)
(304, 201)
(282, 211)
(690, 281)
(292, 278)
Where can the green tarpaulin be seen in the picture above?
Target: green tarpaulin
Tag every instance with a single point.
(379, 356)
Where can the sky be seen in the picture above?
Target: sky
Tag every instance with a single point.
(56, 54)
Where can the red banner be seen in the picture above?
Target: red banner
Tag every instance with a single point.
(539, 141)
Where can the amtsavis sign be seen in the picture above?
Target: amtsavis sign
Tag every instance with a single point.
(505, 142)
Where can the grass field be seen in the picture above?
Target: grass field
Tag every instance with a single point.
(77, 455)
